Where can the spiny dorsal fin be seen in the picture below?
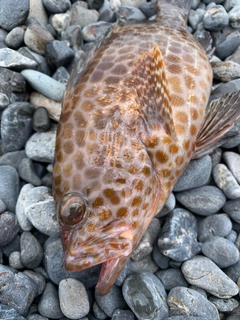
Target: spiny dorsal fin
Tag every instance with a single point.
(220, 117)
(152, 92)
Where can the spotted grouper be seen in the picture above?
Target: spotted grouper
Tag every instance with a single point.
(131, 121)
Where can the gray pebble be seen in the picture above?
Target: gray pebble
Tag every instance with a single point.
(221, 251)
(37, 278)
(234, 136)
(58, 54)
(188, 302)
(36, 37)
(120, 314)
(130, 13)
(232, 160)
(227, 47)
(8, 227)
(71, 291)
(225, 181)
(233, 271)
(95, 30)
(14, 39)
(44, 84)
(23, 221)
(31, 250)
(9, 186)
(16, 125)
(215, 225)
(232, 236)
(9, 313)
(215, 18)
(234, 17)
(195, 17)
(17, 290)
(73, 36)
(40, 210)
(4, 101)
(148, 9)
(3, 206)
(12, 59)
(145, 264)
(99, 314)
(111, 301)
(13, 13)
(225, 71)
(171, 278)
(27, 172)
(178, 236)
(224, 305)
(61, 75)
(57, 6)
(231, 86)
(49, 305)
(195, 175)
(205, 200)
(13, 158)
(40, 147)
(146, 296)
(169, 205)
(229, 4)
(159, 258)
(82, 16)
(12, 246)
(204, 273)
(15, 260)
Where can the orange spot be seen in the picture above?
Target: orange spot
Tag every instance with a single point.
(80, 138)
(167, 185)
(122, 212)
(68, 147)
(151, 142)
(60, 157)
(80, 119)
(167, 140)
(173, 149)
(78, 159)
(161, 156)
(146, 171)
(178, 172)
(91, 227)
(203, 84)
(67, 170)
(175, 84)
(194, 114)
(111, 195)
(186, 145)
(92, 135)
(177, 101)
(66, 186)
(65, 116)
(135, 224)
(190, 83)
(165, 173)
(204, 99)
(104, 101)
(58, 180)
(135, 213)
(132, 170)
(136, 201)
(98, 202)
(76, 181)
(145, 206)
(121, 180)
(67, 131)
(182, 116)
(179, 160)
(192, 69)
(192, 99)
(193, 130)
(104, 215)
(57, 169)
(92, 148)
(138, 185)
(174, 68)
(180, 129)
(87, 105)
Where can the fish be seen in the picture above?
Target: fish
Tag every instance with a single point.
(132, 119)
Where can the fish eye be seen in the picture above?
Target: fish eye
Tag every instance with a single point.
(72, 209)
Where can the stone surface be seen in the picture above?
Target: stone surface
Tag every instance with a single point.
(215, 18)
(49, 305)
(171, 278)
(14, 39)
(226, 71)
(31, 250)
(27, 172)
(53, 107)
(13, 13)
(8, 227)
(41, 120)
(23, 221)
(57, 6)
(9, 186)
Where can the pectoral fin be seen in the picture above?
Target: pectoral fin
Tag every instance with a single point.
(221, 114)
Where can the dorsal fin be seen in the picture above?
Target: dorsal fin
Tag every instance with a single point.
(220, 117)
(152, 92)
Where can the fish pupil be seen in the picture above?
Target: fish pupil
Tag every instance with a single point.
(75, 213)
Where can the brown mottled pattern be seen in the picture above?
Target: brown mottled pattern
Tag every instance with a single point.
(127, 131)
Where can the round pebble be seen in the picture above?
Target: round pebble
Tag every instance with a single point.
(49, 305)
(172, 278)
(9, 186)
(31, 250)
(9, 313)
(224, 305)
(14, 39)
(232, 160)
(215, 18)
(57, 6)
(13, 13)
(58, 54)
(15, 260)
(27, 172)
(23, 221)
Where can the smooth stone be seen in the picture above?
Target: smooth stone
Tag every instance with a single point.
(146, 296)
(120, 314)
(215, 18)
(133, 3)
(107, 15)
(71, 291)
(31, 250)
(195, 17)
(232, 160)
(12, 59)
(14, 39)
(13, 13)
(37, 278)
(82, 16)
(60, 22)
(53, 263)
(204, 273)
(171, 278)
(205, 200)
(224, 305)
(15, 260)
(234, 215)
(145, 264)
(234, 17)
(27, 172)
(225, 71)
(40, 147)
(58, 54)
(41, 120)
(16, 126)
(23, 221)
(130, 13)
(49, 305)
(38, 11)
(3, 206)
(61, 75)
(221, 251)
(12, 246)
(195, 175)
(9, 186)
(169, 205)
(13, 158)
(178, 236)
(57, 6)
(228, 46)
(73, 35)
(95, 30)
(53, 107)
(9, 313)
(229, 4)
(17, 290)
(8, 227)
(231, 86)
(232, 236)
(98, 313)
(36, 38)
(215, 225)
(47, 180)
(233, 271)
(4, 101)
(44, 84)
(188, 302)
(226, 181)
(161, 260)
(40, 210)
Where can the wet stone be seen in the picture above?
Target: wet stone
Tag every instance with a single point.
(171, 278)
(61, 75)
(16, 125)
(31, 250)
(204, 273)
(146, 296)
(49, 305)
(15, 260)
(226, 181)
(58, 54)
(232, 160)
(205, 200)
(232, 207)
(215, 18)
(224, 305)
(195, 175)
(71, 291)
(53, 107)
(27, 172)
(57, 6)
(23, 221)
(215, 225)
(120, 314)
(17, 290)
(221, 251)
(9, 313)
(161, 260)
(189, 302)
(13, 13)
(9, 186)
(178, 236)
(148, 9)
(145, 264)
(41, 120)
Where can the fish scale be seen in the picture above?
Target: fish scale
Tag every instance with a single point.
(128, 128)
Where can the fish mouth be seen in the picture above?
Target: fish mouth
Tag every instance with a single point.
(107, 246)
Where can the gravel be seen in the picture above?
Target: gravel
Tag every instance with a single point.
(187, 264)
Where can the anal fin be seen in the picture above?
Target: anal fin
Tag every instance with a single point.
(221, 114)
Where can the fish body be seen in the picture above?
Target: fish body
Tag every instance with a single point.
(128, 128)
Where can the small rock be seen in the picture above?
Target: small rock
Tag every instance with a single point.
(215, 18)
(205, 200)
(41, 120)
(53, 107)
(27, 172)
(224, 305)
(37, 278)
(13, 158)
(49, 87)
(145, 264)
(225, 71)
(58, 54)
(61, 75)
(231, 86)
(169, 205)
(15, 261)
(146, 296)
(9, 186)
(3, 206)
(82, 16)
(215, 225)
(120, 314)
(31, 250)
(23, 221)
(14, 39)
(204, 273)
(130, 13)
(12, 59)
(148, 9)
(234, 17)
(195, 17)
(12, 246)
(228, 46)
(95, 30)
(232, 236)
(57, 6)
(7, 312)
(61, 22)
(71, 291)
(37, 11)
(171, 278)
(73, 35)
(13, 13)
(161, 260)
(232, 160)
(188, 302)
(98, 313)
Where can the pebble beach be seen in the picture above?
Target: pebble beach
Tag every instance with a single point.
(187, 265)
